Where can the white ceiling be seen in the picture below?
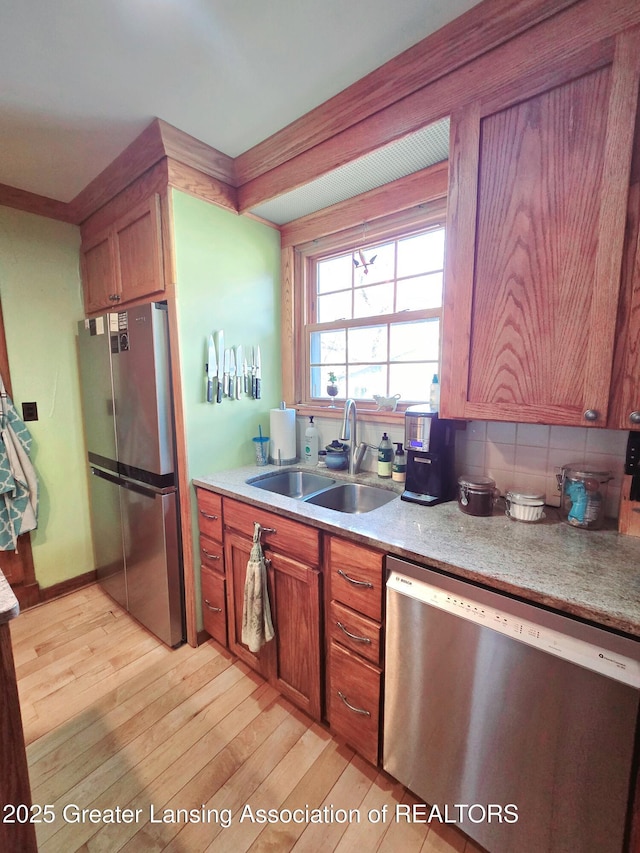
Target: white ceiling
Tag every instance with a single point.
(80, 79)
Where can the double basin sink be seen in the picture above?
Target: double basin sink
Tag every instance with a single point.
(323, 491)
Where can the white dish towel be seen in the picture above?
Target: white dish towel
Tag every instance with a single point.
(257, 627)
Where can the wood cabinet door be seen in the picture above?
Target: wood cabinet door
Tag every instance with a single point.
(625, 388)
(538, 193)
(237, 550)
(295, 607)
(99, 278)
(138, 249)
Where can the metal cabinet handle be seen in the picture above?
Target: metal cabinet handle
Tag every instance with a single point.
(212, 608)
(268, 529)
(354, 581)
(634, 417)
(352, 708)
(114, 297)
(352, 636)
(210, 517)
(591, 415)
(210, 556)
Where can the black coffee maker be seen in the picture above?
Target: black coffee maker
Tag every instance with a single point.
(430, 445)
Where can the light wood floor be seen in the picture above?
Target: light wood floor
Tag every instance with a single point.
(115, 720)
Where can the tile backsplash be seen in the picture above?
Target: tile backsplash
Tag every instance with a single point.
(517, 456)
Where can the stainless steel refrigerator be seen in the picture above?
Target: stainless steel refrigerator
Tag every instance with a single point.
(128, 417)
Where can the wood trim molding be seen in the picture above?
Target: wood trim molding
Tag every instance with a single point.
(70, 585)
(157, 141)
(418, 188)
(201, 185)
(38, 204)
(556, 43)
(482, 28)
(143, 153)
(190, 151)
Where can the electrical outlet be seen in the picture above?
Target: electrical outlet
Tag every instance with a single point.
(29, 411)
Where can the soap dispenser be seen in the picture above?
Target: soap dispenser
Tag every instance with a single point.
(399, 469)
(311, 442)
(385, 457)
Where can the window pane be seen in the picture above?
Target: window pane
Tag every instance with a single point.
(334, 306)
(422, 253)
(365, 380)
(380, 262)
(369, 301)
(319, 379)
(328, 347)
(368, 344)
(334, 274)
(421, 292)
(415, 341)
(412, 381)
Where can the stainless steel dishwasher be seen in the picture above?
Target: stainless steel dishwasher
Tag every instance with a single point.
(516, 723)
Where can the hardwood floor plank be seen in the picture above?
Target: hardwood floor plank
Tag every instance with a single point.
(312, 790)
(86, 735)
(116, 719)
(348, 793)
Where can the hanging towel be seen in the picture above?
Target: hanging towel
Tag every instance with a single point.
(18, 481)
(257, 627)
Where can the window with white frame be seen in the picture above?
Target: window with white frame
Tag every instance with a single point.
(373, 318)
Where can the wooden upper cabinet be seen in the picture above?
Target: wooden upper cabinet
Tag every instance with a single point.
(124, 263)
(537, 202)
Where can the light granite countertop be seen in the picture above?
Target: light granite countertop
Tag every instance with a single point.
(9, 607)
(594, 575)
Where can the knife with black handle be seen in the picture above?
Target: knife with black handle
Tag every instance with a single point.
(220, 366)
(212, 367)
(258, 373)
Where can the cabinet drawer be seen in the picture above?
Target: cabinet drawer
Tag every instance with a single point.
(354, 701)
(210, 514)
(356, 577)
(214, 605)
(356, 632)
(280, 534)
(211, 555)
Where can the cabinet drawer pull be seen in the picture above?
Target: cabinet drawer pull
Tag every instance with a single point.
(352, 708)
(210, 556)
(354, 581)
(114, 297)
(352, 636)
(210, 517)
(267, 529)
(591, 415)
(212, 608)
(634, 417)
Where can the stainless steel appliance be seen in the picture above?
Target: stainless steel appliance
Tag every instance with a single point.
(430, 445)
(126, 397)
(495, 708)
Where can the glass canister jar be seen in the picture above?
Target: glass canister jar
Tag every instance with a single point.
(584, 491)
(477, 495)
(524, 507)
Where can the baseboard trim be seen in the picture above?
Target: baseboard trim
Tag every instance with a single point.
(70, 585)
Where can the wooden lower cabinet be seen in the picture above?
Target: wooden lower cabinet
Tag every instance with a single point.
(354, 701)
(214, 605)
(355, 644)
(292, 660)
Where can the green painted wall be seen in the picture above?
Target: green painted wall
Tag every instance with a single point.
(41, 301)
(228, 277)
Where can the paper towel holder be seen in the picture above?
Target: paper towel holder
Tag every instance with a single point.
(277, 459)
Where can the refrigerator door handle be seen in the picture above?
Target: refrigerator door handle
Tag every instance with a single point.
(132, 485)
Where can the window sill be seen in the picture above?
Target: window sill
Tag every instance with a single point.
(366, 414)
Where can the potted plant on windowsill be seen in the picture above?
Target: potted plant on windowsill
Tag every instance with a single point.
(332, 389)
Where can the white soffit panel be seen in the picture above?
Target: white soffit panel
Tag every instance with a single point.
(410, 154)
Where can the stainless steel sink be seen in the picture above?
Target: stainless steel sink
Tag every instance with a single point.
(352, 497)
(292, 484)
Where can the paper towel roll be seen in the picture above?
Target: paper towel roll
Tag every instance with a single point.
(282, 446)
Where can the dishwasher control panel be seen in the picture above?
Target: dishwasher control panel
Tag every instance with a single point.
(589, 655)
